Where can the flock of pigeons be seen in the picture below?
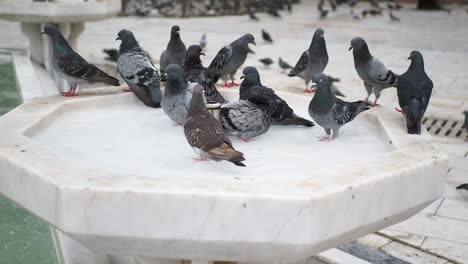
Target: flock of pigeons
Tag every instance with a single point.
(188, 85)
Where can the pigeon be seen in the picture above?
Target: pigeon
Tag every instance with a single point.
(174, 53)
(71, 66)
(323, 12)
(250, 51)
(330, 112)
(335, 89)
(138, 71)
(177, 95)
(266, 61)
(273, 13)
(375, 12)
(371, 70)
(266, 36)
(253, 16)
(230, 58)
(245, 118)
(393, 17)
(465, 124)
(284, 65)
(280, 112)
(203, 41)
(463, 186)
(313, 61)
(195, 72)
(364, 13)
(112, 54)
(289, 6)
(414, 89)
(205, 134)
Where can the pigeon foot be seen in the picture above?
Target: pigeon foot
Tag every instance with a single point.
(326, 139)
(246, 140)
(200, 159)
(127, 90)
(366, 99)
(227, 85)
(177, 124)
(401, 111)
(69, 94)
(234, 83)
(307, 90)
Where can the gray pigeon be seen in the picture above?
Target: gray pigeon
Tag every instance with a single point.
(177, 95)
(465, 124)
(330, 112)
(266, 36)
(313, 61)
(205, 134)
(137, 69)
(246, 119)
(463, 186)
(174, 53)
(280, 112)
(414, 91)
(230, 58)
(372, 71)
(195, 72)
(71, 66)
(284, 65)
(203, 41)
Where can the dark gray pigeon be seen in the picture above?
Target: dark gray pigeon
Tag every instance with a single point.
(330, 112)
(137, 69)
(253, 16)
(266, 61)
(280, 112)
(393, 17)
(205, 134)
(313, 61)
(414, 91)
(177, 95)
(246, 119)
(195, 72)
(372, 71)
(112, 54)
(465, 124)
(284, 65)
(71, 66)
(203, 41)
(174, 53)
(463, 186)
(266, 37)
(230, 58)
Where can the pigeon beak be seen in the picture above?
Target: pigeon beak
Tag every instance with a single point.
(409, 58)
(42, 33)
(253, 42)
(201, 53)
(242, 77)
(350, 48)
(118, 38)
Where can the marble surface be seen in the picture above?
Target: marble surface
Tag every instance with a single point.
(74, 163)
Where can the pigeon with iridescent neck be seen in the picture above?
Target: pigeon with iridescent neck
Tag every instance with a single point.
(330, 112)
(174, 53)
(71, 66)
(371, 70)
(313, 61)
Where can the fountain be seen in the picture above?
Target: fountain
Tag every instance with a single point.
(117, 177)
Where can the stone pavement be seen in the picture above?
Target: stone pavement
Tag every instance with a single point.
(439, 233)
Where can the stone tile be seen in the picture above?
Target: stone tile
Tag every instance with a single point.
(374, 240)
(337, 256)
(457, 175)
(452, 250)
(451, 192)
(412, 239)
(432, 208)
(454, 209)
(411, 255)
(436, 227)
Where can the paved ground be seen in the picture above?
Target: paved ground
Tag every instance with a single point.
(439, 233)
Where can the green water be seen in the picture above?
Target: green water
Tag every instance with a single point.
(24, 239)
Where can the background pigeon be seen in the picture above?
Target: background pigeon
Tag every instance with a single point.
(245, 119)
(71, 66)
(284, 65)
(414, 91)
(174, 53)
(313, 61)
(465, 124)
(333, 88)
(354, 15)
(280, 112)
(393, 17)
(112, 54)
(330, 112)
(205, 134)
(177, 95)
(253, 16)
(195, 72)
(203, 41)
(230, 58)
(137, 69)
(463, 186)
(266, 37)
(266, 61)
(371, 70)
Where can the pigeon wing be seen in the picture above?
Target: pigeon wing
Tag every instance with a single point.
(221, 59)
(302, 63)
(137, 68)
(204, 132)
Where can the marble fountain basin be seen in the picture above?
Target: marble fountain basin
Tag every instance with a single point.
(119, 178)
